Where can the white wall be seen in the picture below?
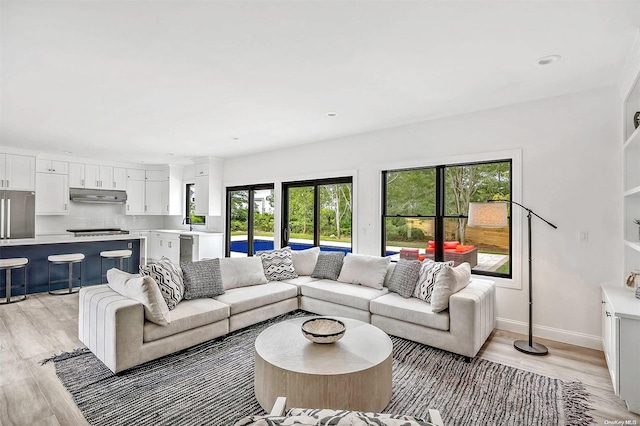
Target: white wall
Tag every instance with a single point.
(571, 175)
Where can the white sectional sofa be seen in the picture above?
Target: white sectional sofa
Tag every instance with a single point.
(114, 328)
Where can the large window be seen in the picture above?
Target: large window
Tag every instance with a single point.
(317, 213)
(425, 215)
(249, 219)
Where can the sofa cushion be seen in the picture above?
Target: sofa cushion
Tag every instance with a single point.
(277, 264)
(202, 279)
(189, 314)
(449, 281)
(246, 298)
(405, 277)
(304, 261)
(328, 265)
(168, 277)
(241, 272)
(142, 289)
(411, 310)
(363, 269)
(301, 280)
(428, 273)
(353, 295)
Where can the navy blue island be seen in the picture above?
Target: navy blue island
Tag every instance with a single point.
(38, 249)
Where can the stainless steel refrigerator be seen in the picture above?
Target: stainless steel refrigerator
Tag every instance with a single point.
(17, 214)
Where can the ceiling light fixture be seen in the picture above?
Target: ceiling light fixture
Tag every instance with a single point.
(235, 139)
(331, 114)
(546, 60)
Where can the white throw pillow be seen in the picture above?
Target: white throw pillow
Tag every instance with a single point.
(305, 260)
(241, 272)
(366, 270)
(142, 289)
(449, 281)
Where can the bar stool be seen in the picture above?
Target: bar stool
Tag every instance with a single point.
(115, 254)
(9, 265)
(66, 259)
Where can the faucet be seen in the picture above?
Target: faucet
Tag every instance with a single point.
(187, 221)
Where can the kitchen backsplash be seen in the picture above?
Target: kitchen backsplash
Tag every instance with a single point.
(83, 215)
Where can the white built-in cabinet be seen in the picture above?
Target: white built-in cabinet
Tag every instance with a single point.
(96, 176)
(135, 192)
(163, 191)
(165, 244)
(120, 178)
(17, 172)
(208, 187)
(52, 187)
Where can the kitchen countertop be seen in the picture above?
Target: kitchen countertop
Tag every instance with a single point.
(59, 239)
(181, 232)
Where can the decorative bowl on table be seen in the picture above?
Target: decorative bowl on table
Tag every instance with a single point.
(323, 330)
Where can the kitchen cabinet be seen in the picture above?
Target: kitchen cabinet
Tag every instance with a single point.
(620, 331)
(163, 191)
(196, 246)
(208, 188)
(52, 194)
(164, 244)
(76, 175)
(120, 178)
(51, 166)
(136, 185)
(98, 177)
(17, 172)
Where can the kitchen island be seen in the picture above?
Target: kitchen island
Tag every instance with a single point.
(38, 249)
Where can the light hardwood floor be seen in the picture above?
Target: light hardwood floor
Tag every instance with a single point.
(43, 325)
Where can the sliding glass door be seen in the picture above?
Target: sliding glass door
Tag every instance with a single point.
(318, 213)
(249, 219)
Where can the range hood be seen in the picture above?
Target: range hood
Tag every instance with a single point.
(97, 196)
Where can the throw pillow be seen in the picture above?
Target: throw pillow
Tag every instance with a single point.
(328, 265)
(241, 272)
(305, 260)
(449, 281)
(168, 277)
(428, 273)
(405, 277)
(202, 279)
(142, 289)
(278, 264)
(366, 270)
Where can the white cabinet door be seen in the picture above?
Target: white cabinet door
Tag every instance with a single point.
(202, 196)
(135, 197)
(164, 244)
(202, 169)
(92, 176)
(171, 248)
(20, 173)
(52, 194)
(119, 178)
(153, 197)
(52, 166)
(106, 177)
(76, 175)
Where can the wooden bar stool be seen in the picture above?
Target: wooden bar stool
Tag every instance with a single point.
(9, 265)
(115, 254)
(66, 259)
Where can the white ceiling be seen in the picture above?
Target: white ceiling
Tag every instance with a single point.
(163, 81)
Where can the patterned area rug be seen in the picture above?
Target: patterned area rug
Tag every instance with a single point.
(212, 384)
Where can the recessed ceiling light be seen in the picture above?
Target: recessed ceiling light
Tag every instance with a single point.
(331, 114)
(546, 60)
(235, 139)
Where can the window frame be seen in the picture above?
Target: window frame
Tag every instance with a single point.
(250, 215)
(440, 215)
(187, 187)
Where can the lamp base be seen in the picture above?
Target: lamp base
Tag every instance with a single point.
(534, 349)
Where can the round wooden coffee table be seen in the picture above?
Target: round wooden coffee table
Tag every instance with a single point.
(352, 374)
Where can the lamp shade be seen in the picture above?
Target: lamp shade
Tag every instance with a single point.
(488, 215)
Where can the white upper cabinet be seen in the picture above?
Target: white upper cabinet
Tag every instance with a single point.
(76, 175)
(119, 178)
(98, 177)
(163, 191)
(208, 181)
(135, 192)
(17, 172)
(52, 166)
(52, 193)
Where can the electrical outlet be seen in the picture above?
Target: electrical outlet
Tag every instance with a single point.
(583, 237)
(129, 245)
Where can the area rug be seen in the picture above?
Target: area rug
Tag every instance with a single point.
(212, 384)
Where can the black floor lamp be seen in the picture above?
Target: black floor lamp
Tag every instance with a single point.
(493, 214)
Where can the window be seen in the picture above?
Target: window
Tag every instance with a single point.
(191, 206)
(317, 213)
(425, 215)
(249, 229)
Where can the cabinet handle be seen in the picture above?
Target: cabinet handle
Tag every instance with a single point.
(127, 207)
(160, 243)
(7, 183)
(169, 244)
(114, 184)
(145, 208)
(167, 207)
(65, 206)
(608, 313)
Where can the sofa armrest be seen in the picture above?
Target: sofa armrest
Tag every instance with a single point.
(472, 315)
(111, 325)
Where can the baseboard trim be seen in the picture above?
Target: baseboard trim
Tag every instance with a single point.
(557, 334)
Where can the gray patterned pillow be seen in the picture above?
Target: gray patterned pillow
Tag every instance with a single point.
(428, 273)
(328, 265)
(202, 279)
(278, 264)
(169, 279)
(405, 277)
